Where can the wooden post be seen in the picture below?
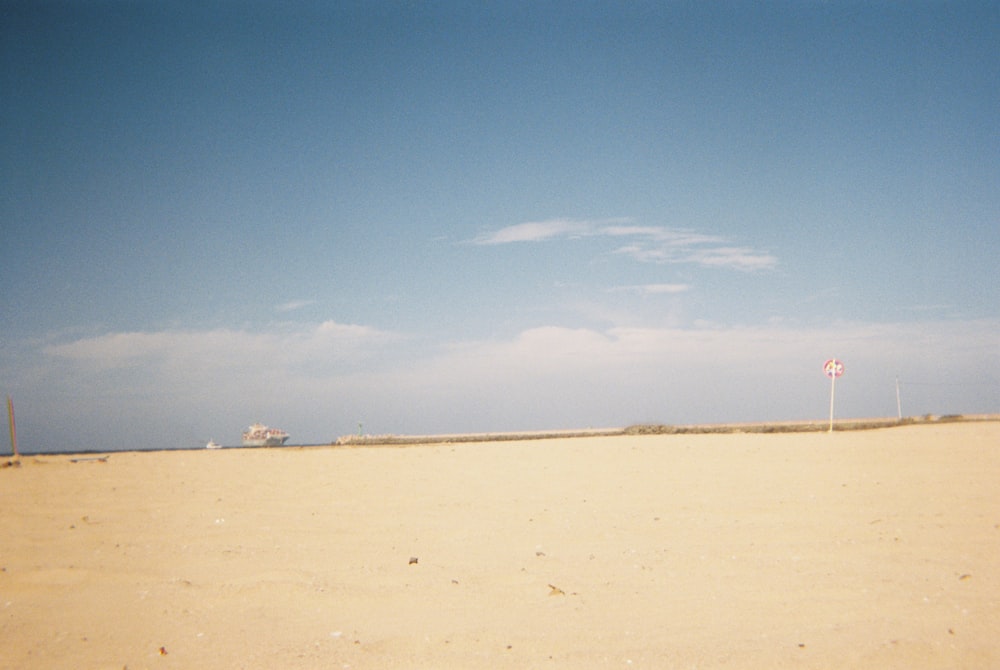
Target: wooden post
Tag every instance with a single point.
(13, 428)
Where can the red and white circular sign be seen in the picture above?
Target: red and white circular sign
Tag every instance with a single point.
(833, 368)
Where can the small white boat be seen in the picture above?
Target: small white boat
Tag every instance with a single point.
(212, 444)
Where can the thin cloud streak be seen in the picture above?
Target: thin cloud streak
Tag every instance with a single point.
(538, 231)
(221, 348)
(533, 231)
(293, 305)
(653, 289)
(676, 238)
(737, 258)
(647, 244)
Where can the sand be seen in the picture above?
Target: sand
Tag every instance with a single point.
(869, 549)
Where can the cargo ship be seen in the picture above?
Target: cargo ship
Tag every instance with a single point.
(259, 435)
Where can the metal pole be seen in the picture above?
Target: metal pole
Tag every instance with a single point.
(833, 385)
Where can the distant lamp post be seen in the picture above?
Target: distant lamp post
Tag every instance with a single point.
(899, 406)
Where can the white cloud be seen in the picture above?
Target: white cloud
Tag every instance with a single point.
(174, 388)
(676, 238)
(536, 231)
(644, 254)
(646, 244)
(654, 289)
(565, 377)
(207, 351)
(737, 258)
(293, 305)
(734, 258)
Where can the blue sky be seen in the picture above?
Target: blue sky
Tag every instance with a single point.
(447, 217)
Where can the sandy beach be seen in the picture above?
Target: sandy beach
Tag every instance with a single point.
(864, 549)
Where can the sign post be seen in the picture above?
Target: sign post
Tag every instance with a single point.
(833, 369)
